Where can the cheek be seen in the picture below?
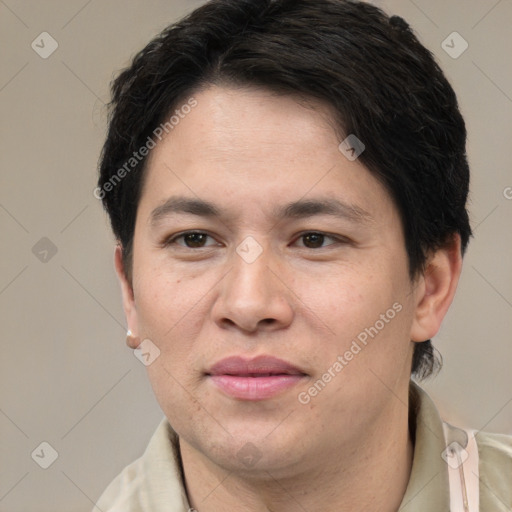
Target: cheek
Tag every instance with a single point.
(164, 298)
(345, 301)
(369, 323)
(171, 314)
(356, 377)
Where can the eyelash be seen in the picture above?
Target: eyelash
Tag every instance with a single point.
(336, 239)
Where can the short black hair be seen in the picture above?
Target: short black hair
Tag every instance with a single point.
(380, 82)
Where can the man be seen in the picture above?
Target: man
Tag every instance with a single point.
(287, 183)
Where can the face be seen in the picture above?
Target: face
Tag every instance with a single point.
(271, 273)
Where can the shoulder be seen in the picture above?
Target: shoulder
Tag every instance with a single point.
(495, 467)
(124, 493)
(494, 446)
(152, 482)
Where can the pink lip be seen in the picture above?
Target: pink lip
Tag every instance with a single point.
(254, 379)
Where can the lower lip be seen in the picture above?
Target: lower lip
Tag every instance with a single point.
(254, 388)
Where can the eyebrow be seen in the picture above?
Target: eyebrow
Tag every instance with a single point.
(333, 207)
(180, 205)
(297, 209)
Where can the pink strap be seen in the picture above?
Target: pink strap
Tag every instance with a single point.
(461, 456)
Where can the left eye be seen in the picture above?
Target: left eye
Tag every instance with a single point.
(314, 240)
(192, 240)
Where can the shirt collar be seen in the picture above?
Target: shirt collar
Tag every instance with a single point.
(427, 489)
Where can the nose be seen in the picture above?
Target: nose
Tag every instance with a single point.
(253, 295)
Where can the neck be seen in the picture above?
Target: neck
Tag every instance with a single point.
(372, 474)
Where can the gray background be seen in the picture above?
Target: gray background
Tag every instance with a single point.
(66, 376)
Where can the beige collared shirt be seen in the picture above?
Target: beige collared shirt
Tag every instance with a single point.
(153, 483)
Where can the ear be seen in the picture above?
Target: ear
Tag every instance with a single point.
(129, 307)
(435, 289)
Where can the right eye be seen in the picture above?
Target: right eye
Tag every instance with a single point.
(191, 240)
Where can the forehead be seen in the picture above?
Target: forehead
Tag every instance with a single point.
(248, 145)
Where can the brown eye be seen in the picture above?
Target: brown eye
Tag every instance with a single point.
(313, 240)
(319, 240)
(194, 240)
(191, 240)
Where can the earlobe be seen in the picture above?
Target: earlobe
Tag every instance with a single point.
(436, 289)
(129, 306)
(131, 340)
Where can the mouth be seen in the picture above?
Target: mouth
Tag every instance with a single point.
(254, 379)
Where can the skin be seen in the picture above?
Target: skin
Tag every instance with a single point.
(304, 300)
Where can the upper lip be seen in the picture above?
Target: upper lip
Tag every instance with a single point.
(261, 365)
